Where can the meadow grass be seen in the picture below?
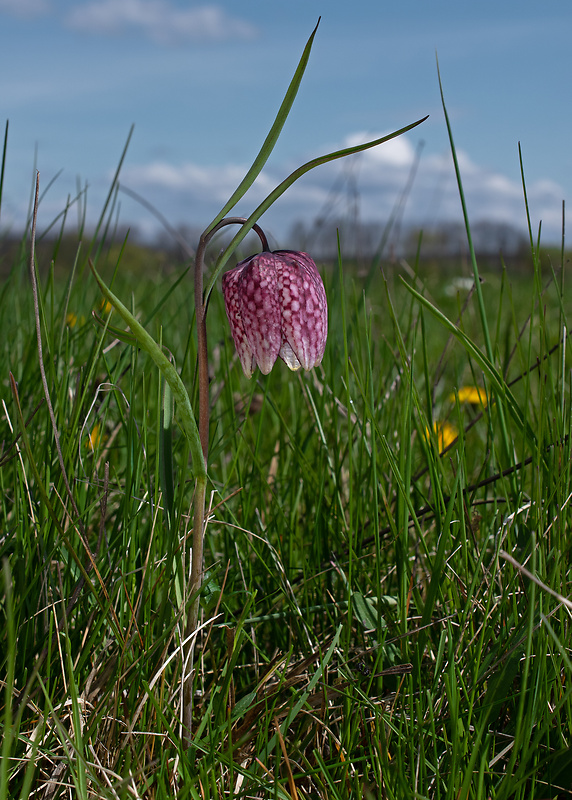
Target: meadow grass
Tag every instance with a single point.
(384, 608)
(363, 631)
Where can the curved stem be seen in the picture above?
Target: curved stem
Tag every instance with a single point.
(201, 479)
(287, 182)
(201, 313)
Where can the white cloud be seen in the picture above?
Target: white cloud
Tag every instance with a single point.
(398, 152)
(371, 182)
(24, 8)
(215, 184)
(159, 20)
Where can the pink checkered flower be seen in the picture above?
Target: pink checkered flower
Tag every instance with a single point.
(276, 306)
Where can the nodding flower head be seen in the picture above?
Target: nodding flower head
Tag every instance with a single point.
(276, 306)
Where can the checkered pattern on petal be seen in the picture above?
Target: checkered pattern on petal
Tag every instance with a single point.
(276, 306)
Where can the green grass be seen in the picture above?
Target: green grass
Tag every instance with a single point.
(363, 634)
(383, 612)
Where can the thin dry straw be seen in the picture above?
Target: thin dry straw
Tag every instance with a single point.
(534, 579)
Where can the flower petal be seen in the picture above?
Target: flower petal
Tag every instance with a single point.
(304, 307)
(276, 306)
(261, 310)
(289, 357)
(233, 304)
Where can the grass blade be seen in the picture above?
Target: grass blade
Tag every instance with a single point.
(273, 134)
(148, 344)
(287, 183)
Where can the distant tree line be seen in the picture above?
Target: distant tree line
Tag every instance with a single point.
(392, 242)
(441, 245)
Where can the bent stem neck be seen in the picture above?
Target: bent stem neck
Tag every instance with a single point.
(201, 480)
(201, 313)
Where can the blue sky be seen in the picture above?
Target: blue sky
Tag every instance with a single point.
(202, 82)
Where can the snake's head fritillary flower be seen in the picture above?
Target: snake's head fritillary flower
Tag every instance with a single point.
(276, 306)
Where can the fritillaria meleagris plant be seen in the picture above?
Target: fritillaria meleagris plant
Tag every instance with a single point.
(276, 307)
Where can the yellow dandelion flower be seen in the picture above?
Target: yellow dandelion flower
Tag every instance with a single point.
(72, 319)
(94, 437)
(446, 434)
(105, 306)
(471, 395)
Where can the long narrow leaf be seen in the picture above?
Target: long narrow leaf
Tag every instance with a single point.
(478, 287)
(3, 164)
(292, 178)
(273, 134)
(168, 371)
(112, 189)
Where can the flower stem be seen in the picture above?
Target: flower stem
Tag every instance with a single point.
(200, 479)
(193, 615)
(201, 314)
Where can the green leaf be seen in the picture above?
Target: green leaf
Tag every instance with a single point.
(292, 178)
(365, 611)
(147, 343)
(117, 333)
(273, 134)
